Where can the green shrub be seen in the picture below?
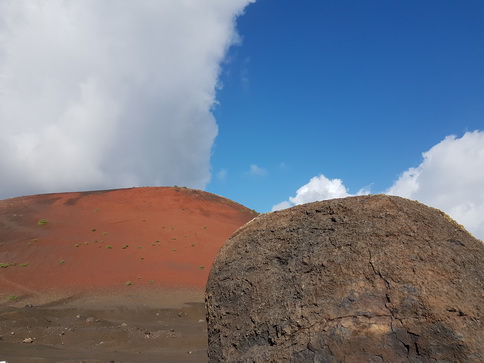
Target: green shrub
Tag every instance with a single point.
(42, 222)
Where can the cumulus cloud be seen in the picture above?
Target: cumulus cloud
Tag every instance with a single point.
(450, 178)
(98, 94)
(318, 188)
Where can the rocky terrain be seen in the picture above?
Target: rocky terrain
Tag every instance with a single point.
(360, 279)
(115, 275)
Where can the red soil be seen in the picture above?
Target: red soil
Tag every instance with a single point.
(166, 237)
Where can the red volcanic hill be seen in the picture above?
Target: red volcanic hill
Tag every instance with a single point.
(115, 238)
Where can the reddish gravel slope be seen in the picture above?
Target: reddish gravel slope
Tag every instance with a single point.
(151, 237)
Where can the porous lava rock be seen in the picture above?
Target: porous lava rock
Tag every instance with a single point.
(360, 279)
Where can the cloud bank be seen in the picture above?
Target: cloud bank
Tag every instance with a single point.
(450, 178)
(104, 94)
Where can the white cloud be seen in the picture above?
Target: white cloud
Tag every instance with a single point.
(318, 188)
(257, 171)
(282, 205)
(450, 178)
(109, 93)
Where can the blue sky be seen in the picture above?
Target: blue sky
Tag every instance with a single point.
(350, 89)
(271, 103)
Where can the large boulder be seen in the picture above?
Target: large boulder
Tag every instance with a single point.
(361, 279)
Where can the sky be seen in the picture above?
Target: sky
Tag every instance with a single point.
(270, 103)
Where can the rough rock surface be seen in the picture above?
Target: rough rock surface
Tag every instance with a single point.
(361, 279)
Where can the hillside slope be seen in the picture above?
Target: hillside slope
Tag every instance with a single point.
(156, 236)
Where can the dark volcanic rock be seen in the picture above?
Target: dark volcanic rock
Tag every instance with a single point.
(361, 279)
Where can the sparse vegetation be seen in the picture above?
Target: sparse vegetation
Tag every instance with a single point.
(93, 229)
(201, 267)
(204, 227)
(193, 244)
(13, 297)
(77, 245)
(86, 243)
(109, 247)
(5, 264)
(95, 210)
(128, 283)
(174, 249)
(105, 233)
(25, 264)
(42, 222)
(125, 246)
(151, 282)
(61, 262)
